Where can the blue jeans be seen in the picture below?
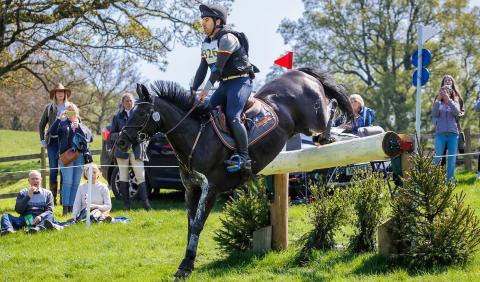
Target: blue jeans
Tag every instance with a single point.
(232, 94)
(52, 150)
(71, 175)
(449, 141)
(15, 223)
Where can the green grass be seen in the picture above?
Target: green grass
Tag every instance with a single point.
(152, 246)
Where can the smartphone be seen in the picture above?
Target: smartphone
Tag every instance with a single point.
(70, 113)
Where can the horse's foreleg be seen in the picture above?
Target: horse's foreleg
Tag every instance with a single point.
(205, 205)
(192, 197)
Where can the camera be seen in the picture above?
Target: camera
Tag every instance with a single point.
(87, 157)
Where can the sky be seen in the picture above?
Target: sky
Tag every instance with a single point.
(258, 19)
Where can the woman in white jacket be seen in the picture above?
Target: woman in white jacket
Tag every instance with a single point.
(101, 203)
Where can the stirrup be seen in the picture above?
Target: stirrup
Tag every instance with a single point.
(235, 163)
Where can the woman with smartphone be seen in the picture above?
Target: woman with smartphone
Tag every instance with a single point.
(69, 128)
(447, 108)
(59, 96)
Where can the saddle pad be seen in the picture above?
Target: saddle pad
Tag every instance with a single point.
(259, 119)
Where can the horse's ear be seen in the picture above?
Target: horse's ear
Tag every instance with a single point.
(145, 93)
(139, 91)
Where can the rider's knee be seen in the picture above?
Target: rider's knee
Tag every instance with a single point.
(233, 118)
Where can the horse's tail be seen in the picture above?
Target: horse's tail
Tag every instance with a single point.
(333, 90)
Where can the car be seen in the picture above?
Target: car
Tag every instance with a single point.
(299, 182)
(161, 171)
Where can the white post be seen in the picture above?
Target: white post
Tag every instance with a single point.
(419, 85)
(89, 193)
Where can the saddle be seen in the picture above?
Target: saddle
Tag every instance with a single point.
(257, 116)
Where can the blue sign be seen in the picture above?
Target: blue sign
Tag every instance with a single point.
(426, 58)
(423, 79)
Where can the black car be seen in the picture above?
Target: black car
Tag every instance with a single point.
(161, 171)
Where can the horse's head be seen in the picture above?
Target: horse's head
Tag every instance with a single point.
(143, 122)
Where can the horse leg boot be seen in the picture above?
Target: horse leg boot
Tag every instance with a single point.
(54, 189)
(241, 137)
(124, 188)
(205, 205)
(143, 195)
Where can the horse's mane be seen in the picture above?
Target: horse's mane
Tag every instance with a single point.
(179, 96)
(173, 92)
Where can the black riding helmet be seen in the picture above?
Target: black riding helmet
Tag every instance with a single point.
(214, 11)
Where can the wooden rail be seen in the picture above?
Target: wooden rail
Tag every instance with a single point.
(21, 175)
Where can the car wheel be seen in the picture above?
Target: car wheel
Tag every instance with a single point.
(115, 179)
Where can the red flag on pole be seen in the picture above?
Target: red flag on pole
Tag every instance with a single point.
(285, 61)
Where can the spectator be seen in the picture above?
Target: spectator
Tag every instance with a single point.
(364, 116)
(52, 111)
(69, 131)
(130, 158)
(100, 203)
(445, 112)
(35, 207)
(477, 108)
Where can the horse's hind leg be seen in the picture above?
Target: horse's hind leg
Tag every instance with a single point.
(205, 205)
(326, 137)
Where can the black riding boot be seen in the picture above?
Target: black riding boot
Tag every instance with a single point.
(143, 195)
(125, 192)
(241, 137)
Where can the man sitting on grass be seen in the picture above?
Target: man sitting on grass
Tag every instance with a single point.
(35, 206)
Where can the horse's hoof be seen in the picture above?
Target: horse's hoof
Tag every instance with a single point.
(182, 273)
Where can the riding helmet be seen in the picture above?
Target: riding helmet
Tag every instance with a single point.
(214, 11)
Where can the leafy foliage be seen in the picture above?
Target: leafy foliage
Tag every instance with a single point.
(370, 43)
(35, 34)
(370, 201)
(433, 223)
(328, 213)
(243, 215)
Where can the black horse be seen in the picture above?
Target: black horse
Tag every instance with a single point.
(300, 99)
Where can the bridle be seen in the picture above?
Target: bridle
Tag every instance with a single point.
(142, 136)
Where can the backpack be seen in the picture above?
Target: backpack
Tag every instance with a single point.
(242, 38)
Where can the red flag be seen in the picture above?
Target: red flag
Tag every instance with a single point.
(285, 61)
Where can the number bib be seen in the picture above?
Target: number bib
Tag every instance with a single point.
(209, 51)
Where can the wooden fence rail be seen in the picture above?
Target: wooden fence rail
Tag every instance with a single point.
(43, 160)
(21, 175)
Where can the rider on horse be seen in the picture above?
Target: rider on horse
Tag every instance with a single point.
(225, 52)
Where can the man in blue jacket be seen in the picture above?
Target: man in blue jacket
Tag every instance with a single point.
(35, 206)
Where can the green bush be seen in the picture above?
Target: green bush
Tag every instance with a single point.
(431, 220)
(329, 212)
(370, 201)
(243, 214)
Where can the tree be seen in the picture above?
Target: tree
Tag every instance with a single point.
(33, 32)
(106, 81)
(369, 44)
(433, 224)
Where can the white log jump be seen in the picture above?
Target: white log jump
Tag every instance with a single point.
(377, 147)
(366, 149)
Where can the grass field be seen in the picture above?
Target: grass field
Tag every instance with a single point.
(152, 245)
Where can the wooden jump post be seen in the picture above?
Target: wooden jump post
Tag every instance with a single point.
(377, 147)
